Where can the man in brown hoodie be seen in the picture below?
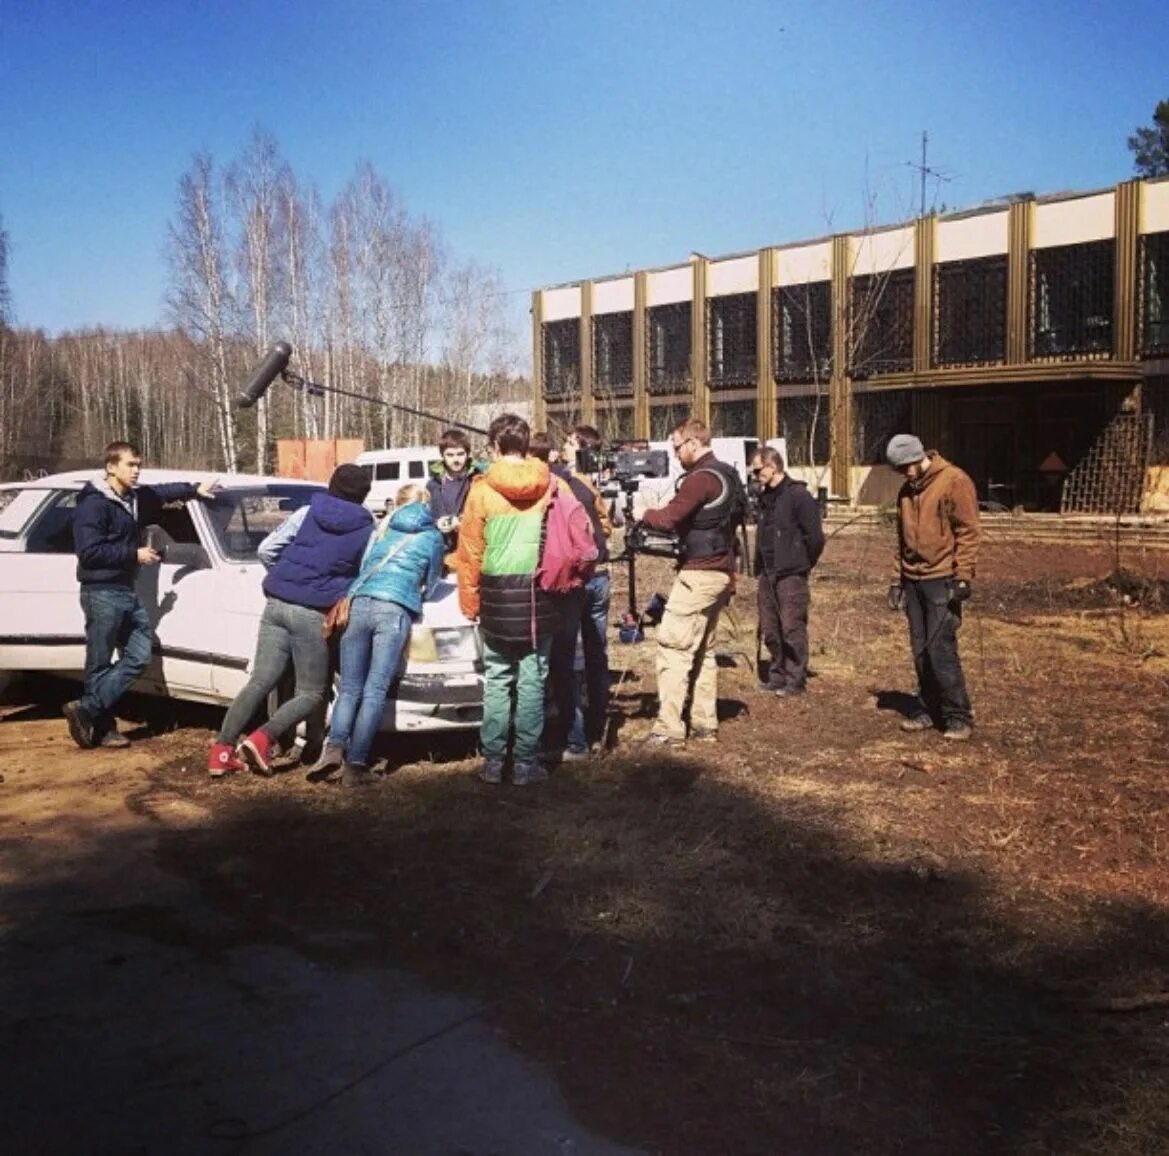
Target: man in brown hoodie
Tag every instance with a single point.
(937, 546)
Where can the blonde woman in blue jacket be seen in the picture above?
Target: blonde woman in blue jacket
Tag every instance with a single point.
(402, 564)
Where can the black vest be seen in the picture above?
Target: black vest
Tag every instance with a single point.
(712, 531)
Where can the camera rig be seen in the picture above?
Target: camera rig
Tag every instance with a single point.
(619, 471)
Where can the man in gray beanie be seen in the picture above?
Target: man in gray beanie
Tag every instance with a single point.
(937, 546)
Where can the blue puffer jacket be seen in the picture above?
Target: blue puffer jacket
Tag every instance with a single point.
(316, 567)
(415, 566)
(105, 533)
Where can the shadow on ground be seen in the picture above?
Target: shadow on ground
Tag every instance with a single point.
(703, 970)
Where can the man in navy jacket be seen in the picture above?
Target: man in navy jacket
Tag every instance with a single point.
(106, 531)
(788, 542)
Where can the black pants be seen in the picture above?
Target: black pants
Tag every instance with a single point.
(933, 634)
(783, 623)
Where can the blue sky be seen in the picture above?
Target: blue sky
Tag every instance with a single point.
(556, 141)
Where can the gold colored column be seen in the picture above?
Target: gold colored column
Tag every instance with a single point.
(539, 409)
(588, 405)
(698, 339)
(840, 383)
(1018, 279)
(1124, 293)
(640, 356)
(923, 293)
(765, 421)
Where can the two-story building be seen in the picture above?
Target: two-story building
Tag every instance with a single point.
(1027, 339)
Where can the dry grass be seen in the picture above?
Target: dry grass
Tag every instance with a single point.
(818, 936)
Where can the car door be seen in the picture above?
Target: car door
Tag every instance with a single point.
(182, 596)
(41, 624)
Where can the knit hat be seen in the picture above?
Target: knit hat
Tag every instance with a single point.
(904, 450)
(349, 483)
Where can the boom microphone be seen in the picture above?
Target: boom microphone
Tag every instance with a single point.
(265, 373)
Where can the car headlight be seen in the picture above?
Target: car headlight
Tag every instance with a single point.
(442, 644)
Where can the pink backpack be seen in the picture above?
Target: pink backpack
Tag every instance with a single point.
(568, 553)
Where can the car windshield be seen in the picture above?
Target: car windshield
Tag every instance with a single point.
(242, 518)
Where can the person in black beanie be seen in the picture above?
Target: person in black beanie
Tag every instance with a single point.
(311, 559)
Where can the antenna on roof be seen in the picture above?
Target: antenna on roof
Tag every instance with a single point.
(924, 170)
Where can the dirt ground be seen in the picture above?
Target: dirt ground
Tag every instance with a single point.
(818, 936)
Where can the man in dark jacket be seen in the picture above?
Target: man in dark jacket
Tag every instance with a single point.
(788, 542)
(450, 483)
(106, 530)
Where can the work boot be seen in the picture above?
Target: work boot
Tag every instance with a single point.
(656, 741)
(525, 774)
(114, 739)
(958, 732)
(790, 691)
(328, 764)
(257, 751)
(703, 735)
(80, 725)
(491, 771)
(918, 722)
(355, 775)
(223, 761)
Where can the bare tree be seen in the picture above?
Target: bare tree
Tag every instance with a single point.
(200, 301)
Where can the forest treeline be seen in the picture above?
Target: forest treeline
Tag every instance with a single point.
(364, 291)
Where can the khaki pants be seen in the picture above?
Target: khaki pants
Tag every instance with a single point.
(684, 651)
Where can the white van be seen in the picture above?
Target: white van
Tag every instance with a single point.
(389, 470)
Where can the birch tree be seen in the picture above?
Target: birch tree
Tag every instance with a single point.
(255, 190)
(200, 300)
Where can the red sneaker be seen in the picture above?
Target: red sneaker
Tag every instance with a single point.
(223, 761)
(256, 750)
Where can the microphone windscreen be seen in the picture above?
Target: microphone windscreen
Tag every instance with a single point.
(273, 365)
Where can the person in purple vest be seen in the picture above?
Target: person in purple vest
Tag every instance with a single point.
(311, 559)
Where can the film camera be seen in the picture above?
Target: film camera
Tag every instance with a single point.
(624, 465)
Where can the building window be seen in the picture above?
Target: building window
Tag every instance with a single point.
(560, 420)
(1154, 295)
(802, 332)
(613, 354)
(562, 358)
(732, 326)
(970, 311)
(732, 419)
(668, 348)
(878, 415)
(803, 422)
(615, 423)
(880, 324)
(664, 417)
(1071, 300)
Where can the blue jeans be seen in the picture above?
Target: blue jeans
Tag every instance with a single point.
(372, 649)
(286, 632)
(586, 615)
(517, 670)
(114, 620)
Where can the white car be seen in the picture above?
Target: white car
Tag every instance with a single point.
(204, 599)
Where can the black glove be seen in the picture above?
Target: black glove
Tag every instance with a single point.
(896, 596)
(960, 590)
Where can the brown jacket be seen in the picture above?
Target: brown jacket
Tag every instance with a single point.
(937, 524)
